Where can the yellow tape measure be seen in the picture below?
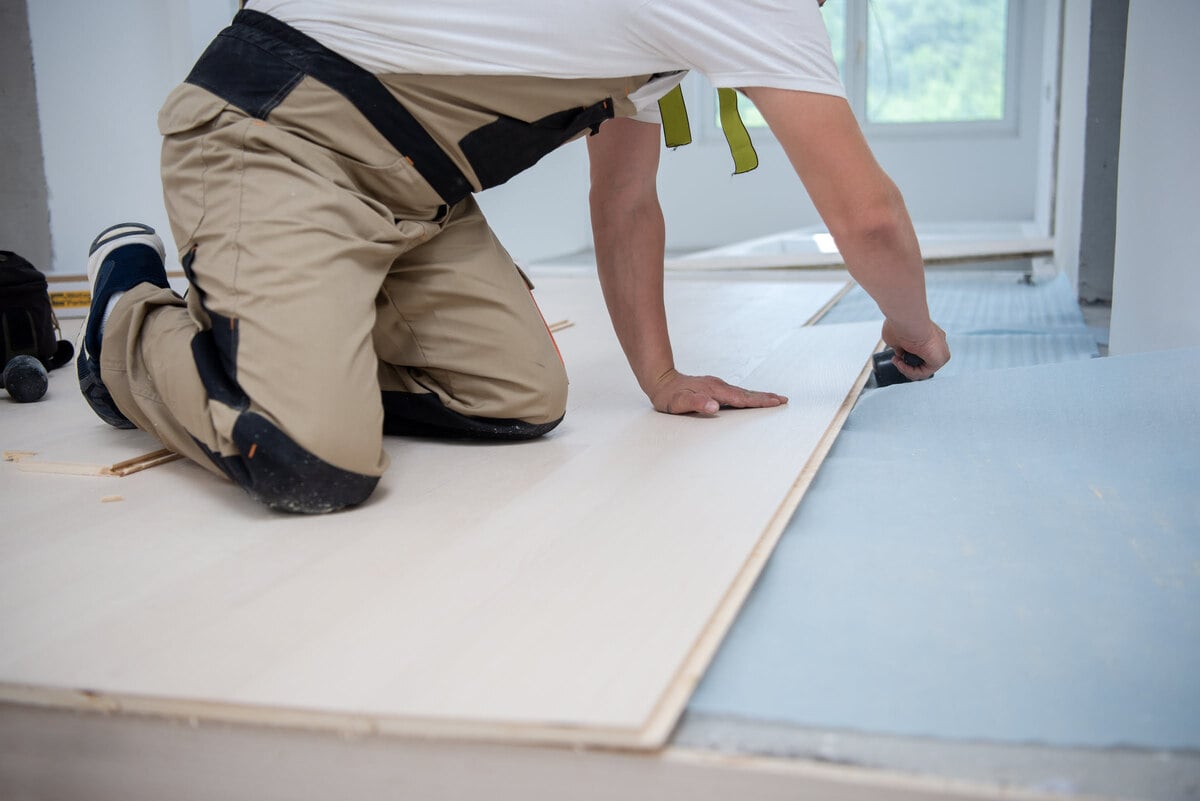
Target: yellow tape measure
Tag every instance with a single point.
(78, 299)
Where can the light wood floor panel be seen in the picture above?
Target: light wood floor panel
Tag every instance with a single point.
(548, 591)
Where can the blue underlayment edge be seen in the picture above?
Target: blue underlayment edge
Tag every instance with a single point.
(994, 320)
(1008, 555)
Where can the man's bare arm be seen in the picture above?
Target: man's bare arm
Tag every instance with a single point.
(629, 234)
(865, 214)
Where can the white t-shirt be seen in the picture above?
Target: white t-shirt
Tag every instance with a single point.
(734, 43)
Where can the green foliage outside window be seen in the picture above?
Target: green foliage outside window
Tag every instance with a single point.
(936, 61)
(926, 60)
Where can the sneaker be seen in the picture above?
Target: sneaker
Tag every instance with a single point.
(120, 258)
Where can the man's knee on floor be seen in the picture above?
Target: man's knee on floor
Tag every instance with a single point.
(531, 405)
(485, 409)
(270, 465)
(276, 471)
(547, 397)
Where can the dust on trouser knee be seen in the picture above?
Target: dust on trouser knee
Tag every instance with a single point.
(279, 473)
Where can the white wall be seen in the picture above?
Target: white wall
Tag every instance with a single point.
(25, 222)
(102, 71)
(543, 212)
(1156, 284)
(1068, 196)
(1049, 97)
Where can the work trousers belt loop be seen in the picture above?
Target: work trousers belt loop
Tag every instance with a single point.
(257, 61)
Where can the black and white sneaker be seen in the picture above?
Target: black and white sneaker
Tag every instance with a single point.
(120, 258)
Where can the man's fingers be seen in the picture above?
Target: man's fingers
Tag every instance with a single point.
(687, 401)
(708, 394)
(729, 395)
(746, 399)
(911, 372)
(932, 349)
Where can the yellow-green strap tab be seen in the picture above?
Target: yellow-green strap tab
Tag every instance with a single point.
(740, 146)
(676, 129)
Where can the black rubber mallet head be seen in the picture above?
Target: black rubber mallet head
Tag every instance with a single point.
(887, 373)
(25, 379)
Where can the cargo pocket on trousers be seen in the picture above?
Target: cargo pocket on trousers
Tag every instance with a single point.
(186, 116)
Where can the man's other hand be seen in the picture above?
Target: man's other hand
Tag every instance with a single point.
(930, 345)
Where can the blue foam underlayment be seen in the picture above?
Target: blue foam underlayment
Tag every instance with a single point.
(994, 320)
(1009, 555)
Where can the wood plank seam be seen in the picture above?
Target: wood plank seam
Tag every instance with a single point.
(673, 702)
(821, 312)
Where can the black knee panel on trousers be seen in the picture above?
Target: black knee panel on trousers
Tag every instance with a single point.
(276, 471)
(270, 465)
(424, 415)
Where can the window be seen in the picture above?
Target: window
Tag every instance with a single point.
(921, 61)
(936, 61)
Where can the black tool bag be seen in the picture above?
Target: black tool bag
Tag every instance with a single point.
(27, 322)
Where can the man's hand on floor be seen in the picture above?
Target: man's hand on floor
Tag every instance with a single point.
(676, 393)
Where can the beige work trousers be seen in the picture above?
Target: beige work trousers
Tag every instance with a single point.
(332, 296)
